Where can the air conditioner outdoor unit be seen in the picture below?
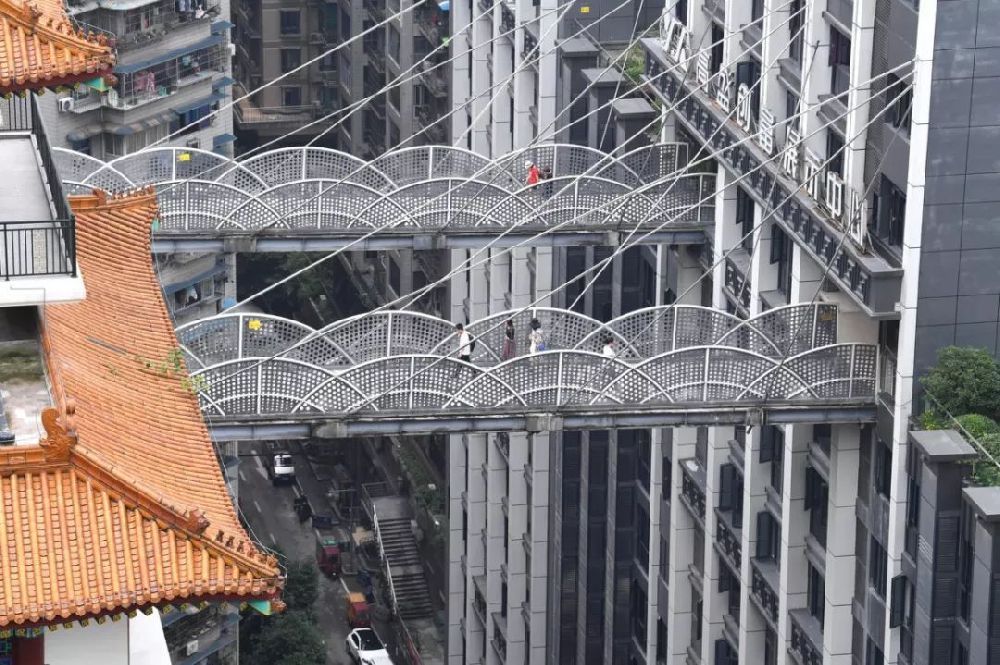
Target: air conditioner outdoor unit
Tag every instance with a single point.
(66, 104)
(192, 648)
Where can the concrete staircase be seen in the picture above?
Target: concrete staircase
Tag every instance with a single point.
(403, 559)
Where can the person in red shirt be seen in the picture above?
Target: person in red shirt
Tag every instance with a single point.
(533, 173)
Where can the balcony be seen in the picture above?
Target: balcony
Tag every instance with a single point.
(735, 280)
(479, 598)
(806, 638)
(250, 115)
(727, 541)
(693, 488)
(529, 54)
(37, 228)
(886, 388)
(375, 9)
(762, 590)
(432, 23)
(141, 83)
(435, 78)
(507, 22)
(502, 440)
(150, 24)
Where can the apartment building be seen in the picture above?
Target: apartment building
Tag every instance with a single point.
(172, 70)
(172, 77)
(93, 514)
(273, 38)
(839, 183)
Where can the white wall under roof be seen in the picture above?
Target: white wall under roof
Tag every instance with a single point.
(137, 641)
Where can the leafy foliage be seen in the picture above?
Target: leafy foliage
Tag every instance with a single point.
(301, 586)
(986, 432)
(290, 638)
(965, 381)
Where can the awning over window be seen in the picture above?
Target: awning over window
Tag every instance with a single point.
(223, 82)
(85, 132)
(170, 289)
(134, 67)
(206, 101)
(218, 27)
(142, 125)
(222, 139)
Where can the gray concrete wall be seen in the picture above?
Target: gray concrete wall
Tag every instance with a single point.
(960, 262)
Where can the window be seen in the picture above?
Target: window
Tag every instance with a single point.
(834, 152)
(898, 101)
(748, 74)
(291, 58)
(889, 214)
(816, 594)
(966, 561)
(393, 43)
(696, 610)
(725, 654)
(796, 15)
(664, 559)
(877, 567)
(840, 63)
(883, 468)
(718, 42)
(345, 24)
(770, 647)
(768, 537)
(756, 10)
(681, 11)
(639, 609)
(661, 641)
(730, 585)
(731, 492)
(816, 502)
(792, 109)
(291, 96)
(744, 217)
(772, 449)
(823, 436)
(781, 253)
(873, 655)
(290, 21)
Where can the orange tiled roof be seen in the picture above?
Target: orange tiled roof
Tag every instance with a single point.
(39, 47)
(123, 505)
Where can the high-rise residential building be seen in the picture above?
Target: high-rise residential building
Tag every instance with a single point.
(852, 144)
(408, 51)
(172, 72)
(171, 85)
(112, 501)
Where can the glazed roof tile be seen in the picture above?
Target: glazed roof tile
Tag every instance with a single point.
(123, 505)
(40, 47)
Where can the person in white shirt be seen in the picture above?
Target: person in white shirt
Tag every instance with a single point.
(464, 344)
(536, 337)
(608, 350)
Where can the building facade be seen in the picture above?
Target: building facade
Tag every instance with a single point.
(852, 145)
(366, 97)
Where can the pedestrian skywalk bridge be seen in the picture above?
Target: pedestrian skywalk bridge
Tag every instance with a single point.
(421, 197)
(263, 376)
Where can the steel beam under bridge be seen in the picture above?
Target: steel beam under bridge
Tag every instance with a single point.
(289, 240)
(385, 423)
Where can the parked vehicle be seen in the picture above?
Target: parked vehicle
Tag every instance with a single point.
(328, 555)
(281, 469)
(365, 647)
(357, 611)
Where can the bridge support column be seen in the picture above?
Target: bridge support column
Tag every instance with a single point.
(682, 533)
(794, 574)
(845, 449)
(459, 577)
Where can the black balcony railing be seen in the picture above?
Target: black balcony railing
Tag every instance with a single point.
(729, 542)
(802, 646)
(692, 493)
(37, 247)
(737, 284)
(763, 594)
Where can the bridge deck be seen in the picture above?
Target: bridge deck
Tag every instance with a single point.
(312, 199)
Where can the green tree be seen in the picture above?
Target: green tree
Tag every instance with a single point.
(986, 433)
(301, 586)
(290, 638)
(965, 380)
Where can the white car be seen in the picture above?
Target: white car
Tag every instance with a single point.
(365, 647)
(282, 469)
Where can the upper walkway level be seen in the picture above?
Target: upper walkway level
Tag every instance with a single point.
(314, 199)
(396, 372)
(37, 233)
